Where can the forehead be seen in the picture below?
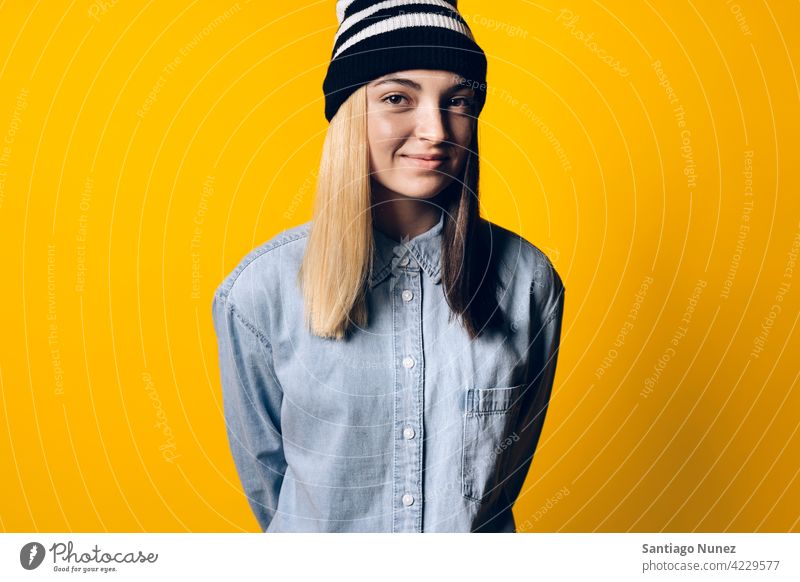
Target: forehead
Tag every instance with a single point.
(421, 78)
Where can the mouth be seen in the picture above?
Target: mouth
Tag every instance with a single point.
(426, 162)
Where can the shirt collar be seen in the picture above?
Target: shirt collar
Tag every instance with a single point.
(425, 249)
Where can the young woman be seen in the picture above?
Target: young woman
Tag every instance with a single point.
(386, 367)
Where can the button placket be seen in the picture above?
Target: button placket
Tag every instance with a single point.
(407, 516)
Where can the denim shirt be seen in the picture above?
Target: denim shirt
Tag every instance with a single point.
(408, 425)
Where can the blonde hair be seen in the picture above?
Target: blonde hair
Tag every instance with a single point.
(338, 255)
(337, 264)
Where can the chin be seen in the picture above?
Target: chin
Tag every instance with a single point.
(415, 186)
(421, 192)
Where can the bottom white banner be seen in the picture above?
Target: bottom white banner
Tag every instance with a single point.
(383, 557)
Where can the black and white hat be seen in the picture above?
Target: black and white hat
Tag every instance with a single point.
(375, 38)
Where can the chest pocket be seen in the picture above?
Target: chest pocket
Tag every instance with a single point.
(489, 418)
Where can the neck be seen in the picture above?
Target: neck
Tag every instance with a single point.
(400, 217)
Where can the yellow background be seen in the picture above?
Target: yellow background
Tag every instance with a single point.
(145, 147)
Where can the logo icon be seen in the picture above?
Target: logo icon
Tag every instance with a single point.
(31, 555)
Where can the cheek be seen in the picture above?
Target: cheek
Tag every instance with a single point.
(386, 134)
(462, 132)
(380, 133)
(375, 145)
(381, 146)
(463, 138)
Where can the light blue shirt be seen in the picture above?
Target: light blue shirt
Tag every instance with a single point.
(408, 425)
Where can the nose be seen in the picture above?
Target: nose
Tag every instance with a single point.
(431, 122)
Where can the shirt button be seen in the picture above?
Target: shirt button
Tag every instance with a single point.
(408, 362)
(408, 499)
(408, 432)
(404, 261)
(407, 295)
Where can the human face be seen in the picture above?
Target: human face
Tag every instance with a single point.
(419, 125)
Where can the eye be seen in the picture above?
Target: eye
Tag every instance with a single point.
(461, 101)
(396, 95)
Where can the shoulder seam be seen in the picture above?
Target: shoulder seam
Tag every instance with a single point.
(537, 250)
(540, 261)
(248, 260)
(251, 327)
(554, 312)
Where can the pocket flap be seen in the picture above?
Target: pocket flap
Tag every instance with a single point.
(489, 400)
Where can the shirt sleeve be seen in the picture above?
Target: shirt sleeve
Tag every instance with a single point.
(252, 399)
(543, 356)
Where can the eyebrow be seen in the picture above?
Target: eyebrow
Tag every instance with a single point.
(413, 84)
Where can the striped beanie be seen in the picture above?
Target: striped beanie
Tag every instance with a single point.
(375, 38)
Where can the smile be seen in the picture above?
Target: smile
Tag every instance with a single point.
(428, 164)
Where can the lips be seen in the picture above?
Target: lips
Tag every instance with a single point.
(427, 157)
(428, 162)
